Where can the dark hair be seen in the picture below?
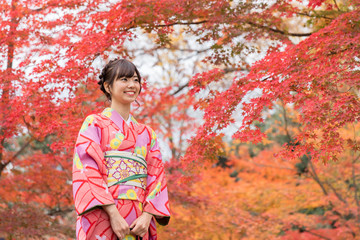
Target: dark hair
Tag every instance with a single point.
(115, 69)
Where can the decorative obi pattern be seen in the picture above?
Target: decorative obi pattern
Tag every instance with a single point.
(126, 168)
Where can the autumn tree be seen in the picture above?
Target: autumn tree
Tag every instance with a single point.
(53, 52)
(31, 122)
(319, 78)
(258, 196)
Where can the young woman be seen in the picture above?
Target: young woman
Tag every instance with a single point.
(119, 186)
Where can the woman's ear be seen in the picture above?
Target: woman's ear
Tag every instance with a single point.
(107, 87)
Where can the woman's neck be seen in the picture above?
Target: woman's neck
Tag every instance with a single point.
(123, 110)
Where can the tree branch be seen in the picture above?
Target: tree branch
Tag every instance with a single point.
(181, 23)
(226, 70)
(336, 193)
(336, 5)
(249, 22)
(315, 234)
(355, 185)
(180, 89)
(311, 16)
(316, 178)
(353, 171)
(286, 122)
(280, 31)
(59, 212)
(230, 70)
(22, 149)
(3, 165)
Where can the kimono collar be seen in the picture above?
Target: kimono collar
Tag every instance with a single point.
(117, 118)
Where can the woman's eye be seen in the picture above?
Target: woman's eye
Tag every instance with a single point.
(136, 80)
(123, 79)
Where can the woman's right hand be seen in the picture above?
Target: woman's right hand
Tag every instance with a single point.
(118, 224)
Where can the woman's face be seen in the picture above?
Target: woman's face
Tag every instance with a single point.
(124, 90)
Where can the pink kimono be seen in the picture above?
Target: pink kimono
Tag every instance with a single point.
(117, 162)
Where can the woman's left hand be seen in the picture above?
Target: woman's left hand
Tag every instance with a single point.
(141, 225)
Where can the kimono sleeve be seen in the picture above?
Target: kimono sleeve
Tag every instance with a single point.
(89, 171)
(156, 194)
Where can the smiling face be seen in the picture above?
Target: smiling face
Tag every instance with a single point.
(124, 90)
(120, 74)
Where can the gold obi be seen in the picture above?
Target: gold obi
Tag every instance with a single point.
(125, 168)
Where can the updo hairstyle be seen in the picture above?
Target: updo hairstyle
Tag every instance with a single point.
(117, 68)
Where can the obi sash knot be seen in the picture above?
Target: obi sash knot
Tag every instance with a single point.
(126, 168)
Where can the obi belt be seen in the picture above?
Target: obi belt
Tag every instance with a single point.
(126, 168)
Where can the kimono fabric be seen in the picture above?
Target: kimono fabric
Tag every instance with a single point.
(117, 163)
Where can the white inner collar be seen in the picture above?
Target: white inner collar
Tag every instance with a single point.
(128, 120)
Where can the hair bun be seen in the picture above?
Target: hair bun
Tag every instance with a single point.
(101, 77)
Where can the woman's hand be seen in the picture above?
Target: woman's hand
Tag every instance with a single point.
(141, 225)
(118, 224)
